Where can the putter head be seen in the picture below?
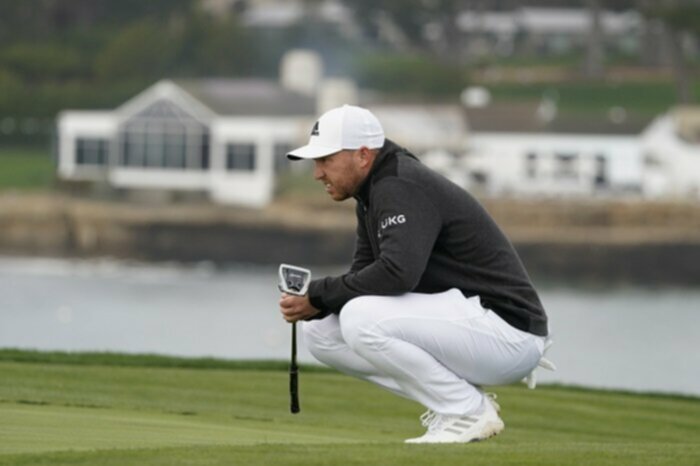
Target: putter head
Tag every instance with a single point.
(294, 280)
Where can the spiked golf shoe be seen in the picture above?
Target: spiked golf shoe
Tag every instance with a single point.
(460, 429)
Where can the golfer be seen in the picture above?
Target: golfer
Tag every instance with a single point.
(436, 304)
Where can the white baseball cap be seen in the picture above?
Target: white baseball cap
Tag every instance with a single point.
(346, 127)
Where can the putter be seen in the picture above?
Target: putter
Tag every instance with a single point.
(294, 281)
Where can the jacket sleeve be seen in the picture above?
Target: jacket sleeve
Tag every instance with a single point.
(407, 226)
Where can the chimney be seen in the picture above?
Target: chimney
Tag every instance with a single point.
(335, 92)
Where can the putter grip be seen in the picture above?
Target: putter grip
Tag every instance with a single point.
(294, 389)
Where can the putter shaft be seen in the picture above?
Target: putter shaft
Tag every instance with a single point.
(294, 374)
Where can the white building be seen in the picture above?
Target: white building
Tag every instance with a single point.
(512, 152)
(226, 137)
(214, 136)
(219, 136)
(671, 152)
(527, 150)
(553, 165)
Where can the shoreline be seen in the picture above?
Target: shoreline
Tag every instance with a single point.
(625, 242)
(166, 361)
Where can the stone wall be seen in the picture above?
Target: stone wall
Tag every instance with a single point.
(648, 243)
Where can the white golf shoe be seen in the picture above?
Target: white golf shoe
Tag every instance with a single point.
(460, 429)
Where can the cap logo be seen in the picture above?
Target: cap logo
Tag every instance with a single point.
(314, 131)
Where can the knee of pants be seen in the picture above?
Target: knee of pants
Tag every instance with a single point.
(358, 322)
(321, 336)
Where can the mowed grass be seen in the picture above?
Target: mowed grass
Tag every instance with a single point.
(26, 168)
(98, 410)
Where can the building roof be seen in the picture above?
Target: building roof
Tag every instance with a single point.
(422, 126)
(428, 124)
(248, 97)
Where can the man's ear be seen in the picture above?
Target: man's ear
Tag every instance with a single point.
(366, 156)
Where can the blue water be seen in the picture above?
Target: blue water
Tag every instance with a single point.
(629, 338)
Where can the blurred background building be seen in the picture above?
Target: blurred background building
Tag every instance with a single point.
(542, 98)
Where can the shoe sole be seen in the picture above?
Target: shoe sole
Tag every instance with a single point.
(490, 430)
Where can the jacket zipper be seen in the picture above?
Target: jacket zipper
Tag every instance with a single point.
(368, 226)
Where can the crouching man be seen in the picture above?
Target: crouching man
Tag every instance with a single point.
(436, 303)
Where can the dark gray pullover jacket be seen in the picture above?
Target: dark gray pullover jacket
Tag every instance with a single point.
(419, 232)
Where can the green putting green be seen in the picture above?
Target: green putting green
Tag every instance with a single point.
(37, 428)
(63, 409)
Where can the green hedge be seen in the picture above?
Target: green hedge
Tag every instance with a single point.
(410, 74)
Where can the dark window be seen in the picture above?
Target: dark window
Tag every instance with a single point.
(479, 178)
(155, 146)
(175, 147)
(91, 151)
(601, 171)
(531, 165)
(134, 149)
(204, 148)
(281, 150)
(240, 157)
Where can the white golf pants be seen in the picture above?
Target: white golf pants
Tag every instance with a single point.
(436, 349)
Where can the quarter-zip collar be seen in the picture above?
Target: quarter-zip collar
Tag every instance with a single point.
(388, 151)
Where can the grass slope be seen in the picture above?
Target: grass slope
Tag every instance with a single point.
(83, 410)
(25, 168)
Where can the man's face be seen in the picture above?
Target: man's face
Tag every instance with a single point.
(341, 173)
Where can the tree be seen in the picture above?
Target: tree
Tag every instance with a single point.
(678, 19)
(34, 62)
(410, 18)
(143, 50)
(41, 19)
(216, 46)
(595, 47)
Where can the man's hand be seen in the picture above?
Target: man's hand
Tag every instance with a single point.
(296, 308)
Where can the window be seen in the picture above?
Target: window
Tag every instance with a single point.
(280, 152)
(240, 157)
(531, 165)
(204, 152)
(601, 171)
(133, 149)
(652, 160)
(164, 136)
(479, 178)
(154, 145)
(566, 165)
(175, 145)
(91, 151)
